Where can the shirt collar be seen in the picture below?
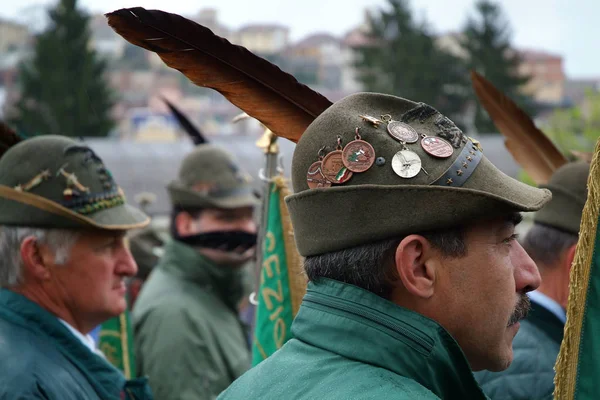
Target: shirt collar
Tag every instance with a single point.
(549, 304)
(87, 340)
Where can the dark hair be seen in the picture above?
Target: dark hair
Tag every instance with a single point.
(546, 244)
(369, 266)
(194, 212)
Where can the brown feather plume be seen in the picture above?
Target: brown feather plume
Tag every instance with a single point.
(253, 84)
(529, 146)
(8, 138)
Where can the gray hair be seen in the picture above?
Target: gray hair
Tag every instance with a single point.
(60, 242)
(546, 245)
(370, 266)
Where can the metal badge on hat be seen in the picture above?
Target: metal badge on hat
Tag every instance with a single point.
(333, 165)
(358, 155)
(399, 130)
(406, 163)
(372, 120)
(74, 187)
(33, 182)
(436, 147)
(314, 176)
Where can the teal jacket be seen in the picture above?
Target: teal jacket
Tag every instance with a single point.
(351, 344)
(189, 340)
(535, 348)
(41, 359)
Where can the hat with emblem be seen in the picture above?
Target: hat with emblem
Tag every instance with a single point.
(375, 166)
(56, 182)
(568, 185)
(209, 177)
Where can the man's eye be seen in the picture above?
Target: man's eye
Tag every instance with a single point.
(511, 238)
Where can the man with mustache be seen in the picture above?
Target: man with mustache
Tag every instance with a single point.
(551, 243)
(415, 276)
(64, 262)
(189, 339)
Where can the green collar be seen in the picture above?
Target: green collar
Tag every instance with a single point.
(188, 264)
(546, 321)
(362, 326)
(106, 380)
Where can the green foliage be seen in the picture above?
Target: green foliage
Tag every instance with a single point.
(63, 89)
(403, 59)
(576, 128)
(487, 43)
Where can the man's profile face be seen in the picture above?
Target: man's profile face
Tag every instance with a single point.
(485, 292)
(219, 219)
(92, 281)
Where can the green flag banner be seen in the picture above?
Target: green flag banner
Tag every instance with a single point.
(116, 343)
(578, 363)
(282, 282)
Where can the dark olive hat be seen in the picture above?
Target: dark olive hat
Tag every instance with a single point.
(56, 182)
(209, 177)
(457, 186)
(568, 185)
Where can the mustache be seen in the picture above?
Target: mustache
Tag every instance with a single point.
(521, 310)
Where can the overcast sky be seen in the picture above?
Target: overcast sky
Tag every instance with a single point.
(570, 28)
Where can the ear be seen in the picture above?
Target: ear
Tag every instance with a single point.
(569, 257)
(36, 259)
(415, 267)
(183, 223)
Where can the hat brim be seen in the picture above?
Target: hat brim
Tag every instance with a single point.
(184, 197)
(121, 217)
(336, 218)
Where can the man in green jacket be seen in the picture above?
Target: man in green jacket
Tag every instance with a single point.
(189, 338)
(551, 243)
(64, 264)
(415, 276)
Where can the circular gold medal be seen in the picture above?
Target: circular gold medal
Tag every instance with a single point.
(402, 132)
(334, 169)
(437, 147)
(315, 178)
(406, 164)
(358, 156)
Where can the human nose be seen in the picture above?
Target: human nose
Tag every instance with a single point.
(527, 275)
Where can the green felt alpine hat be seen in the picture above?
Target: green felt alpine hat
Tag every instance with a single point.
(568, 185)
(209, 177)
(56, 182)
(455, 186)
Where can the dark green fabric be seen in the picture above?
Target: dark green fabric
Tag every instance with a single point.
(103, 202)
(535, 348)
(569, 192)
(41, 359)
(189, 339)
(351, 344)
(210, 177)
(378, 204)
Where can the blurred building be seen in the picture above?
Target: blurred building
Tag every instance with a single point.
(264, 39)
(13, 36)
(547, 83)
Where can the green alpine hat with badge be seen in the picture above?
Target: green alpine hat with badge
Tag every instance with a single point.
(374, 166)
(209, 177)
(56, 182)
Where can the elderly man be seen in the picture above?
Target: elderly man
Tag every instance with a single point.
(189, 337)
(416, 278)
(64, 262)
(551, 243)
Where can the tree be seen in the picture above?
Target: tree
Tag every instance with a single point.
(486, 42)
(63, 89)
(402, 58)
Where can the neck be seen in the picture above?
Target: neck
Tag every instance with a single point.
(61, 311)
(554, 284)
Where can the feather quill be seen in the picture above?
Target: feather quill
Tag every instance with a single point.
(529, 146)
(187, 125)
(8, 138)
(252, 83)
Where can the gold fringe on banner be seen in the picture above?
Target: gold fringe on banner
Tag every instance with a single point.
(568, 358)
(296, 275)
